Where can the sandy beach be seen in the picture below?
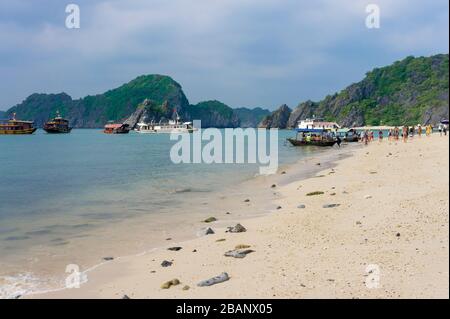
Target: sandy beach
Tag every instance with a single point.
(386, 206)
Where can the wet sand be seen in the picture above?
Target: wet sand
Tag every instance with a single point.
(386, 207)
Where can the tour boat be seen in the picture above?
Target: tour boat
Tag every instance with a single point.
(173, 126)
(317, 123)
(57, 125)
(13, 126)
(314, 137)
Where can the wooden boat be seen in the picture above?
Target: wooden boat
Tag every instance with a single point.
(314, 137)
(58, 125)
(113, 128)
(296, 142)
(16, 127)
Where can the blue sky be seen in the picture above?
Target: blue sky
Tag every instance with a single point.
(241, 52)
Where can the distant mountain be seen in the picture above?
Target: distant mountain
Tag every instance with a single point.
(116, 105)
(410, 91)
(277, 119)
(250, 117)
(146, 98)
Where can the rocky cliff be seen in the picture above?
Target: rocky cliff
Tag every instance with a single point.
(277, 119)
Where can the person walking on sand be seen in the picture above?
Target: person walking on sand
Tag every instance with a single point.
(444, 129)
(419, 130)
(366, 137)
(405, 133)
(380, 136)
(412, 130)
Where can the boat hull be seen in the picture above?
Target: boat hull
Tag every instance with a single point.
(57, 131)
(351, 139)
(117, 132)
(18, 132)
(295, 142)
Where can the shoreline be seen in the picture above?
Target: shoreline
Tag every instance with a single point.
(150, 232)
(299, 251)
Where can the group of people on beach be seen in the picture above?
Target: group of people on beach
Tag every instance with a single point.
(405, 132)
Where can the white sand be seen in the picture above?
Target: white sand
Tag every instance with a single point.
(393, 213)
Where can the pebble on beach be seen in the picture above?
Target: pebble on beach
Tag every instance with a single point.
(215, 280)
(174, 248)
(210, 220)
(168, 284)
(237, 229)
(166, 263)
(331, 205)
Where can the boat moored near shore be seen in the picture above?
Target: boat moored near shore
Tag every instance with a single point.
(114, 128)
(172, 126)
(57, 125)
(16, 127)
(315, 137)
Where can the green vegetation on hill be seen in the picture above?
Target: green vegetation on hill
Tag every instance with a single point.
(213, 113)
(410, 91)
(95, 111)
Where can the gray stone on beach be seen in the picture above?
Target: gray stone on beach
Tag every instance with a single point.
(331, 205)
(238, 253)
(301, 206)
(247, 200)
(125, 297)
(174, 248)
(237, 229)
(206, 231)
(108, 258)
(215, 280)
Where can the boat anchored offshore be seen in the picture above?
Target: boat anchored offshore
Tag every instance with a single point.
(315, 137)
(57, 125)
(16, 127)
(113, 128)
(173, 126)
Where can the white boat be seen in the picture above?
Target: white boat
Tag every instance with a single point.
(168, 128)
(317, 123)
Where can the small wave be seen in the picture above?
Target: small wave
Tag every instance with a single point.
(13, 287)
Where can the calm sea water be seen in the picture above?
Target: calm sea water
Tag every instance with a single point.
(51, 184)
